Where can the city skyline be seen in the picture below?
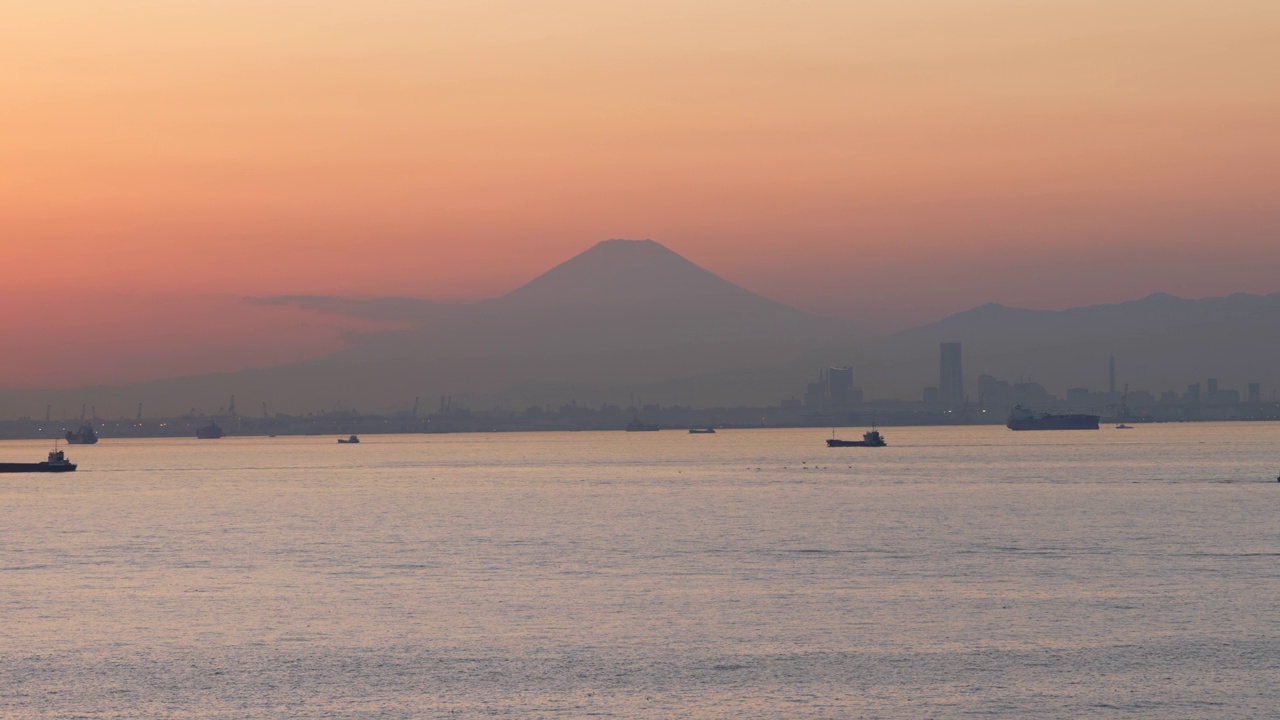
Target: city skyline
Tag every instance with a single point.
(835, 400)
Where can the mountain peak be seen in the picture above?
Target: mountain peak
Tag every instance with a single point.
(627, 272)
(633, 253)
(625, 243)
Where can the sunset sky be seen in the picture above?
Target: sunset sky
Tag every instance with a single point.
(886, 161)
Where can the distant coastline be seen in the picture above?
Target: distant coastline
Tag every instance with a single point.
(573, 419)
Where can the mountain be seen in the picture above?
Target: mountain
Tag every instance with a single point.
(631, 319)
(620, 317)
(622, 314)
(635, 273)
(1161, 342)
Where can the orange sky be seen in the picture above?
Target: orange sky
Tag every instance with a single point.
(890, 161)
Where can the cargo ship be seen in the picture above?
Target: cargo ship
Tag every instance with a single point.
(57, 462)
(209, 432)
(871, 438)
(84, 436)
(1024, 419)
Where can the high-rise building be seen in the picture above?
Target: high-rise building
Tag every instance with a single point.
(995, 394)
(839, 385)
(950, 376)
(1111, 372)
(1033, 395)
(1079, 398)
(931, 397)
(815, 394)
(1255, 392)
(833, 389)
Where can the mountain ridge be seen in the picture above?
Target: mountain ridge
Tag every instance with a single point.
(1160, 340)
(629, 314)
(620, 314)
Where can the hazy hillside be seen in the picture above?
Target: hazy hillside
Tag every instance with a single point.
(620, 316)
(1160, 342)
(632, 318)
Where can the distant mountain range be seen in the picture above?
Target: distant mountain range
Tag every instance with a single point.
(632, 320)
(1161, 342)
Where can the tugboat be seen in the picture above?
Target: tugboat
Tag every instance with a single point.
(871, 438)
(84, 436)
(349, 441)
(57, 462)
(209, 432)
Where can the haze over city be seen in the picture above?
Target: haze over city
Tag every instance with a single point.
(883, 163)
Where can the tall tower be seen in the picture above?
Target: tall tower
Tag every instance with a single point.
(839, 385)
(950, 376)
(1111, 369)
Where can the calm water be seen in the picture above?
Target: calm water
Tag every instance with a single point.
(967, 572)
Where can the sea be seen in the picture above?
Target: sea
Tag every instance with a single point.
(960, 572)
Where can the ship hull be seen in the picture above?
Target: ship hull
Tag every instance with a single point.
(869, 439)
(35, 468)
(1055, 422)
(84, 436)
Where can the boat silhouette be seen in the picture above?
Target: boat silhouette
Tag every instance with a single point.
(57, 462)
(209, 432)
(82, 436)
(870, 438)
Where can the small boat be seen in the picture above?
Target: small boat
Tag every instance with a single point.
(1122, 426)
(871, 438)
(702, 431)
(349, 441)
(83, 436)
(209, 432)
(57, 462)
